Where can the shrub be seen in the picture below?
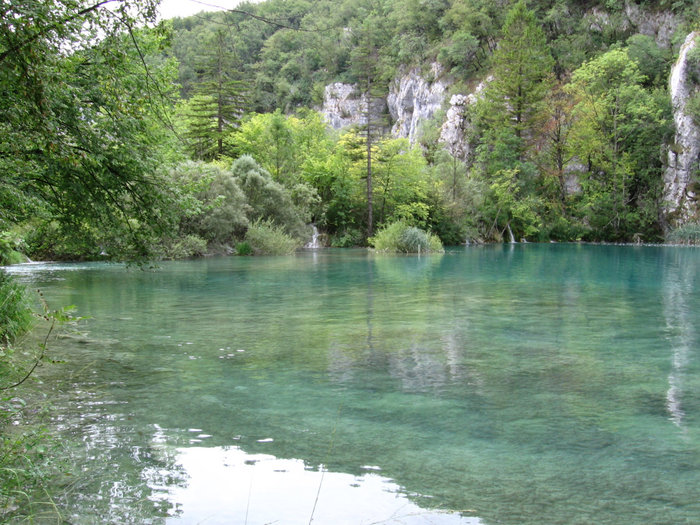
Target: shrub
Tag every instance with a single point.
(11, 246)
(686, 234)
(399, 237)
(388, 238)
(244, 248)
(185, 247)
(435, 244)
(266, 238)
(347, 239)
(268, 199)
(214, 207)
(15, 310)
(413, 240)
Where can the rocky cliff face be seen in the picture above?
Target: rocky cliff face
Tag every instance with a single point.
(344, 106)
(454, 133)
(684, 155)
(660, 25)
(412, 100)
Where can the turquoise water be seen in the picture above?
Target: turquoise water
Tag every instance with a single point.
(513, 384)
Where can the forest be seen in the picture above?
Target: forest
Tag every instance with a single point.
(124, 137)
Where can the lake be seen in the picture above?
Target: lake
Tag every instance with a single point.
(508, 384)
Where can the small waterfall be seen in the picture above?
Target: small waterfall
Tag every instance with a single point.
(313, 244)
(510, 233)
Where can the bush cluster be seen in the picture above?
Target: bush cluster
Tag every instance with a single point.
(686, 234)
(15, 311)
(266, 238)
(403, 238)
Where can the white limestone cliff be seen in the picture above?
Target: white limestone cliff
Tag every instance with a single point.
(683, 156)
(413, 100)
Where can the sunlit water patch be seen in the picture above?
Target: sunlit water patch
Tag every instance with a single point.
(507, 384)
(226, 485)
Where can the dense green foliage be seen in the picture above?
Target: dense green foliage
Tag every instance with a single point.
(15, 314)
(266, 238)
(11, 246)
(21, 452)
(619, 125)
(686, 234)
(539, 167)
(289, 68)
(95, 139)
(83, 105)
(401, 237)
(81, 134)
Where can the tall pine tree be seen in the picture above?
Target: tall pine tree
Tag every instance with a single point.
(511, 117)
(219, 99)
(522, 77)
(370, 74)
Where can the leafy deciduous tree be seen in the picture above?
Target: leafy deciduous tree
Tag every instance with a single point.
(82, 115)
(618, 127)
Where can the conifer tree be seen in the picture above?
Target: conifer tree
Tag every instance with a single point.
(219, 99)
(522, 78)
(368, 70)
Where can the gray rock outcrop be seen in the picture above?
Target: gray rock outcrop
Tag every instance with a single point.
(454, 133)
(344, 106)
(658, 24)
(412, 100)
(684, 155)
(454, 130)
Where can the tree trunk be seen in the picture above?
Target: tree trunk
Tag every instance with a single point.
(370, 228)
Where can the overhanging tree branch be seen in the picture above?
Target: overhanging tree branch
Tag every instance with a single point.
(51, 27)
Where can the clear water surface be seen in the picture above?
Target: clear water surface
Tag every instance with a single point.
(521, 384)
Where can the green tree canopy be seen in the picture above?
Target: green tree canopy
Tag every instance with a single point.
(82, 111)
(219, 99)
(522, 77)
(618, 127)
(285, 145)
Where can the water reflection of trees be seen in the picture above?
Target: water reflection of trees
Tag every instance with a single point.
(111, 467)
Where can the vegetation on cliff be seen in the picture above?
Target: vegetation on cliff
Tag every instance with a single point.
(106, 110)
